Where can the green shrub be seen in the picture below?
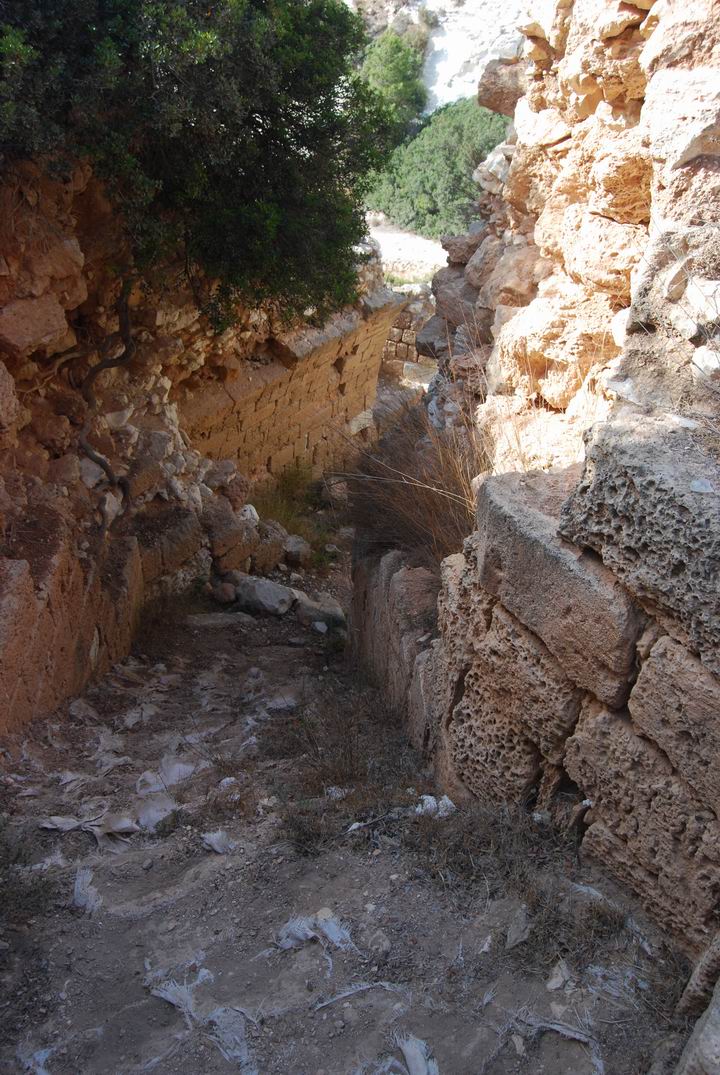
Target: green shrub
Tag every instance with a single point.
(236, 133)
(427, 185)
(393, 68)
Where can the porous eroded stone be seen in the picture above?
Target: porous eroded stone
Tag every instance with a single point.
(676, 703)
(646, 826)
(517, 703)
(649, 504)
(568, 599)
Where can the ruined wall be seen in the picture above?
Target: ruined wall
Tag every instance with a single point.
(187, 425)
(576, 657)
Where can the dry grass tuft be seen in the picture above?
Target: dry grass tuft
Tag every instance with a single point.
(349, 741)
(414, 491)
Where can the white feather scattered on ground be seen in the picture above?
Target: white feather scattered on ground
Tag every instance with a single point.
(85, 895)
(219, 842)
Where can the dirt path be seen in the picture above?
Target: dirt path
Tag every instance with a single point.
(295, 946)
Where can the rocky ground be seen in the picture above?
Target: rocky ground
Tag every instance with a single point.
(220, 860)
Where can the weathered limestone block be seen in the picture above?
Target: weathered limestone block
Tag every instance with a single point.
(514, 279)
(460, 248)
(464, 608)
(681, 119)
(455, 298)
(394, 606)
(482, 262)
(168, 537)
(488, 699)
(620, 174)
(646, 826)
(567, 598)
(497, 762)
(603, 51)
(521, 436)
(502, 85)
(549, 346)
(701, 1055)
(601, 253)
(548, 20)
(649, 504)
(515, 683)
(676, 703)
(28, 325)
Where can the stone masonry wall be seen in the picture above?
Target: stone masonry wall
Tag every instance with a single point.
(187, 425)
(575, 661)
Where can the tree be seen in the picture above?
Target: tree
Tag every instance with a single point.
(236, 133)
(427, 185)
(393, 68)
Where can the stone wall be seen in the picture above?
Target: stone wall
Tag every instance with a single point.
(187, 425)
(575, 661)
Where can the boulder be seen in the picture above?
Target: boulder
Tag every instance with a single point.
(484, 260)
(502, 85)
(297, 551)
(455, 297)
(549, 346)
(460, 248)
(433, 339)
(601, 253)
(261, 595)
(269, 550)
(514, 279)
(324, 609)
(225, 530)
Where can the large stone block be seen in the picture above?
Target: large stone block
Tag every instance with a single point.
(394, 607)
(516, 711)
(574, 604)
(649, 504)
(646, 826)
(676, 703)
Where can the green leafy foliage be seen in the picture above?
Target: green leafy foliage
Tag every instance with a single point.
(236, 132)
(427, 185)
(393, 67)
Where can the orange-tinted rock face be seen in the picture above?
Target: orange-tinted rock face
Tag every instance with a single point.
(193, 416)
